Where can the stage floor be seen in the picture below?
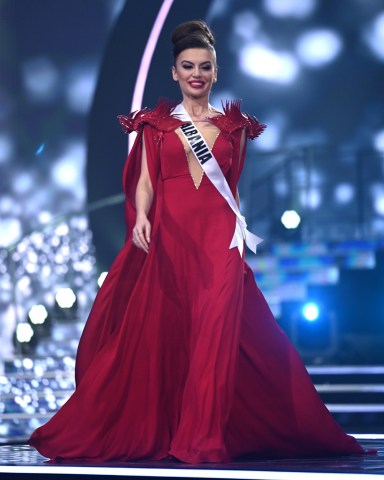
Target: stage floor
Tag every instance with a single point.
(22, 461)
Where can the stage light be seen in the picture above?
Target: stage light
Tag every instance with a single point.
(259, 61)
(310, 198)
(10, 231)
(318, 47)
(245, 25)
(68, 171)
(290, 8)
(41, 79)
(290, 219)
(80, 88)
(344, 193)
(65, 298)
(101, 278)
(378, 141)
(378, 204)
(28, 365)
(44, 216)
(23, 183)
(24, 284)
(38, 314)
(270, 139)
(24, 332)
(374, 36)
(311, 311)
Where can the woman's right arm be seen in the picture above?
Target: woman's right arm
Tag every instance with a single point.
(141, 234)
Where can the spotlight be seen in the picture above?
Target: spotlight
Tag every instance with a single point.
(40, 320)
(66, 304)
(290, 219)
(24, 338)
(311, 312)
(65, 298)
(24, 333)
(38, 314)
(314, 331)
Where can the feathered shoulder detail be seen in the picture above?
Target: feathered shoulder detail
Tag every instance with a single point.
(233, 119)
(159, 117)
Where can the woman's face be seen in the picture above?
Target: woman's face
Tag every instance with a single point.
(195, 70)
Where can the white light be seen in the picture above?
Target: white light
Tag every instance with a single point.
(65, 298)
(310, 312)
(318, 47)
(281, 187)
(24, 283)
(262, 62)
(28, 364)
(24, 332)
(290, 8)
(245, 25)
(7, 204)
(101, 278)
(378, 141)
(374, 36)
(62, 230)
(81, 223)
(40, 79)
(378, 204)
(290, 219)
(80, 88)
(38, 314)
(6, 148)
(270, 138)
(44, 216)
(310, 198)
(68, 171)
(10, 231)
(344, 193)
(23, 183)
(65, 172)
(37, 239)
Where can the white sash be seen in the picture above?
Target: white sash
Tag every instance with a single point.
(213, 171)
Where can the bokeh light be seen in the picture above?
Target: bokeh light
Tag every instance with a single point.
(38, 314)
(290, 219)
(311, 311)
(316, 48)
(65, 297)
(24, 332)
(262, 62)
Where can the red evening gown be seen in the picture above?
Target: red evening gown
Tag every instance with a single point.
(181, 355)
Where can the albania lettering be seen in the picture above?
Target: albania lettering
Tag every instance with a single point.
(196, 142)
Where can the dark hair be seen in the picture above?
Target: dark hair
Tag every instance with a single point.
(192, 34)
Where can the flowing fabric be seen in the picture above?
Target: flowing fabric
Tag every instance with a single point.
(180, 354)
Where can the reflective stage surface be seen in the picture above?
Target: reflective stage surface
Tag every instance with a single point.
(21, 461)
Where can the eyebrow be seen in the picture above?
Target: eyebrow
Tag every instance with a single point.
(206, 61)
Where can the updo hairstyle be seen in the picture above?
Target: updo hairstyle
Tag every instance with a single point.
(192, 34)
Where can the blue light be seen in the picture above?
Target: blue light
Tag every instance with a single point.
(311, 312)
(40, 149)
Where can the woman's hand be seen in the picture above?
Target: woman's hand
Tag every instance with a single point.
(141, 233)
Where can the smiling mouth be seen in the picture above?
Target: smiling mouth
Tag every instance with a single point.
(196, 84)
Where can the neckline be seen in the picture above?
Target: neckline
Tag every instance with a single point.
(175, 115)
(197, 186)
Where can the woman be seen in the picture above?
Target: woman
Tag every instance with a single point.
(181, 356)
